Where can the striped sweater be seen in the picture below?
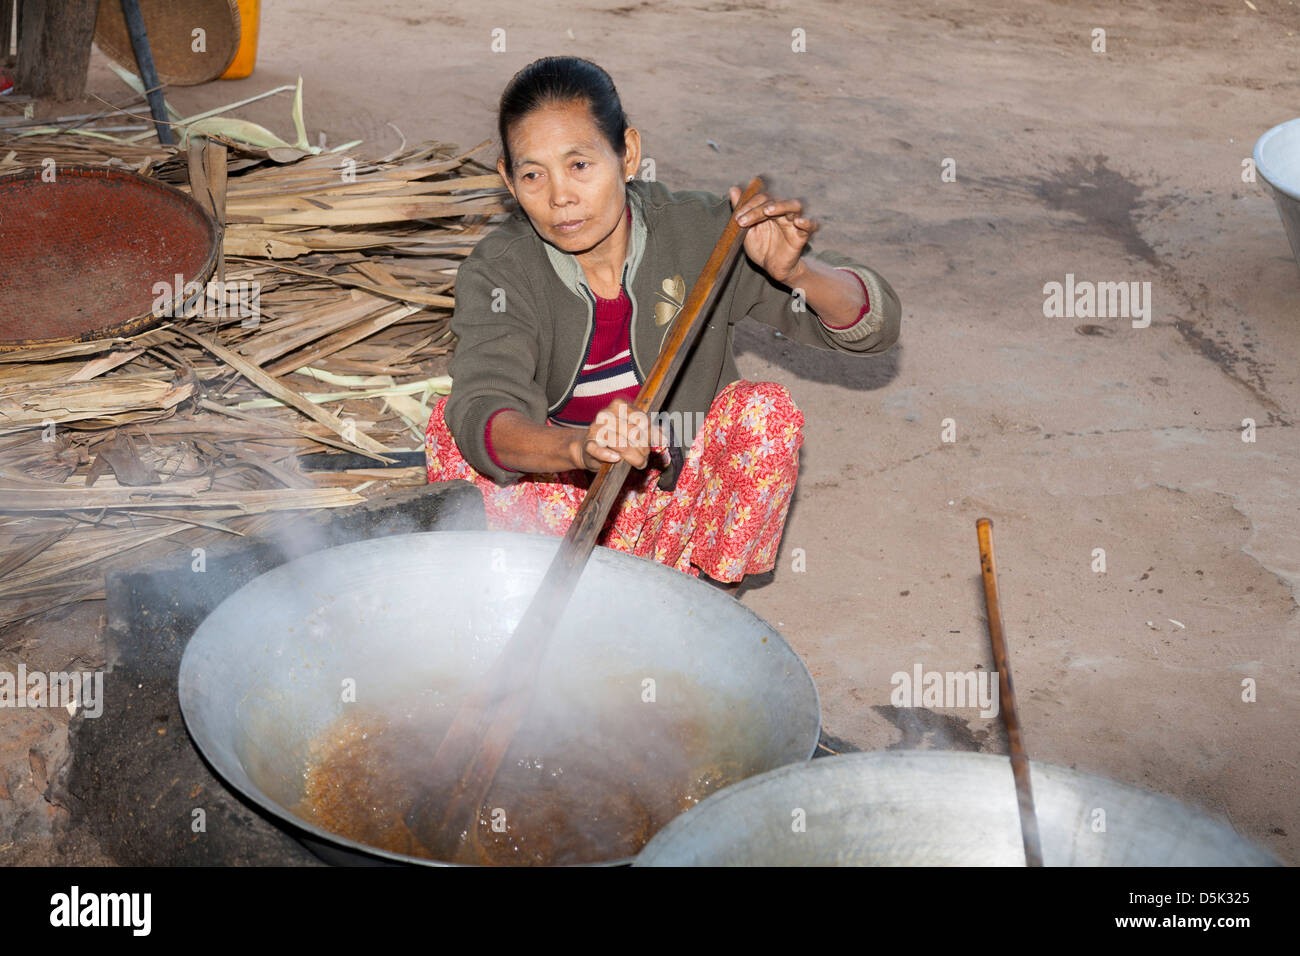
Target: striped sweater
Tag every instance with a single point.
(608, 371)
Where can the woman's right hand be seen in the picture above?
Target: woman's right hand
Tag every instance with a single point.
(620, 431)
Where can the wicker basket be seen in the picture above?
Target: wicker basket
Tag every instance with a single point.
(83, 254)
(170, 25)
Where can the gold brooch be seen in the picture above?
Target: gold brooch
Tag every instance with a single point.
(672, 296)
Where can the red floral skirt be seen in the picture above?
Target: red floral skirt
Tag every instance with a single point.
(724, 517)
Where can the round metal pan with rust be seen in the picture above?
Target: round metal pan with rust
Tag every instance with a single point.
(655, 689)
(85, 253)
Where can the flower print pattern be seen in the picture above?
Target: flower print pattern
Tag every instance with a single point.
(725, 517)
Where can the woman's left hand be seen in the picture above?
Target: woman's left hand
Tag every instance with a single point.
(776, 235)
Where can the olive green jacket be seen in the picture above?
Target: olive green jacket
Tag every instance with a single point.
(524, 315)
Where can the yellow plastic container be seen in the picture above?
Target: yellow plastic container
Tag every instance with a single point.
(250, 12)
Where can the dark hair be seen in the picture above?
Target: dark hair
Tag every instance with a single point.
(559, 80)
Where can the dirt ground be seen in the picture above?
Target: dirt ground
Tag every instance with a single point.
(1072, 434)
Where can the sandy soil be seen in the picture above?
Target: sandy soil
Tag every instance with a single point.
(1072, 434)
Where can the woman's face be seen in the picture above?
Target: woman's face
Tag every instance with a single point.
(567, 178)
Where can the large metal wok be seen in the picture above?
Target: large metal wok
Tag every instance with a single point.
(938, 808)
(415, 614)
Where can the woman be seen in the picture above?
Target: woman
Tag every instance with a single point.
(561, 312)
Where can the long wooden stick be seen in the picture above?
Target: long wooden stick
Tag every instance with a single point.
(486, 722)
(1010, 715)
(148, 75)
